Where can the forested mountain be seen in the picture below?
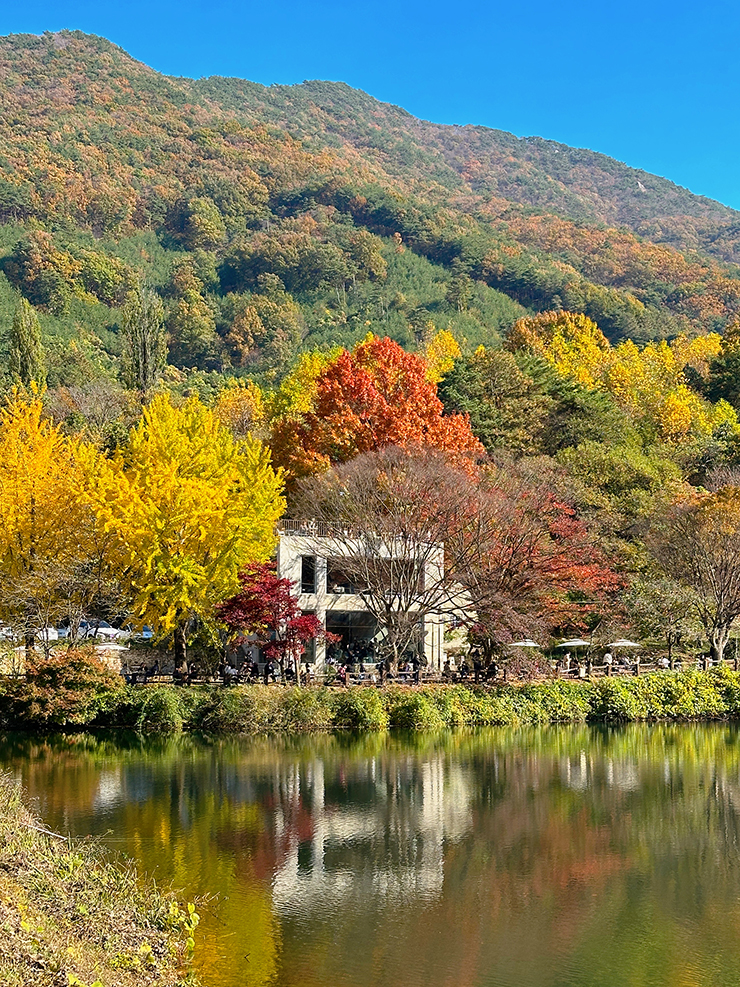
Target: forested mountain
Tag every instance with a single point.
(273, 220)
(569, 334)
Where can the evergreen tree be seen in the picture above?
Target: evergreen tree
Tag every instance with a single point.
(26, 350)
(145, 347)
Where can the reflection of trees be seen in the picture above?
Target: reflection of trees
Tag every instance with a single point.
(578, 855)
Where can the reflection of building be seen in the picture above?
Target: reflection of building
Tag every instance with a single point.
(314, 563)
(372, 846)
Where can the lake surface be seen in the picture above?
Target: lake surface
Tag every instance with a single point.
(536, 858)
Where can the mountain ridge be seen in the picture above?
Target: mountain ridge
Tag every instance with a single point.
(482, 134)
(107, 163)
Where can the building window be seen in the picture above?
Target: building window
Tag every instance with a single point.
(339, 581)
(309, 648)
(308, 574)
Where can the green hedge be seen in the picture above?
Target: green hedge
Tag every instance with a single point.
(691, 695)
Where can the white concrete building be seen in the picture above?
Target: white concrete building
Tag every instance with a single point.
(312, 560)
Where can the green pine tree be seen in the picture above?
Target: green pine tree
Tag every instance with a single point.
(26, 350)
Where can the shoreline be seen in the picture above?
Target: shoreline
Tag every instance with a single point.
(689, 695)
(71, 911)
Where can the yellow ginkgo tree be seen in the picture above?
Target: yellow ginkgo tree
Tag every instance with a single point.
(189, 505)
(441, 350)
(48, 532)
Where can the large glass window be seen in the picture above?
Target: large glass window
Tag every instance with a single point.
(308, 574)
(338, 580)
(309, 654)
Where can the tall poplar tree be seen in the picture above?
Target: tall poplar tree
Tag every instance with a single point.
(145, 345)
(26, 349)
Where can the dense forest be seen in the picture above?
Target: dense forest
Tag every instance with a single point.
(277, 220)
(327, 279)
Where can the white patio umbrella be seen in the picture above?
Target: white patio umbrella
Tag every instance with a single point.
(577, 642)
(624, 643)
(526, 643)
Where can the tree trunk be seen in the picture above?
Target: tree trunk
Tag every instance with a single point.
(181, 645)
(718, 638)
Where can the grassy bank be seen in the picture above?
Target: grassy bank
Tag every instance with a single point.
(71, 916)
(687, 695)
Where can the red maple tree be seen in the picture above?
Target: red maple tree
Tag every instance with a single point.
(378, 395)
(539, 569)
(265, 608)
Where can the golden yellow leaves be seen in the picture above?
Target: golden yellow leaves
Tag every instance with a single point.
(649, 383)
(571, 342)
(241, 407)
(180, 509)
(43, 478)
(189, 505)
(440, 352)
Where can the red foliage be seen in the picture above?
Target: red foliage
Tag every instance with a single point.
(574, 574)
(541, 569)
(266, 607)
(376, 396)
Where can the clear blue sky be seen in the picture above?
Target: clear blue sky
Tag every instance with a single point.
(653, 83)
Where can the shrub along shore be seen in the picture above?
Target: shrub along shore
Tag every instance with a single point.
(258, 709)
(70, 914)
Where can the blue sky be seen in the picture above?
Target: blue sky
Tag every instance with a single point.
(651, 83)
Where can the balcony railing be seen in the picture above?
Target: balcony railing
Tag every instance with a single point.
(315, 529)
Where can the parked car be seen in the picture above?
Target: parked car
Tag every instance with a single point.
(101, 629)
(145, 634)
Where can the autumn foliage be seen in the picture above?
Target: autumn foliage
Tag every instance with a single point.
(537, 566)
(188, 506)
(651, 383)
(377, 395)
(266, 609)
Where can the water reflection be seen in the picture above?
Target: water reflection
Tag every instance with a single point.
(553, 857)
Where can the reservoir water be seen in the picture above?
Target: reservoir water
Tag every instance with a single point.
(556, 857)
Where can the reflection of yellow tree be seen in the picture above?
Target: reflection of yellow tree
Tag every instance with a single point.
(588, 856)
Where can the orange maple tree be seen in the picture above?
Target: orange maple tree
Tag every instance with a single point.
(377, 395)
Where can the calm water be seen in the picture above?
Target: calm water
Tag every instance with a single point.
(531, 858)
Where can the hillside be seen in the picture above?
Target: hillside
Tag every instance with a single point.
(276, 219)
(483, 163)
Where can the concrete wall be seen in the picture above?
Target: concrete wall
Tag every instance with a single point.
(291, 549)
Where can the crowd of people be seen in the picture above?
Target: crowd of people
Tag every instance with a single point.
(356, 663)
